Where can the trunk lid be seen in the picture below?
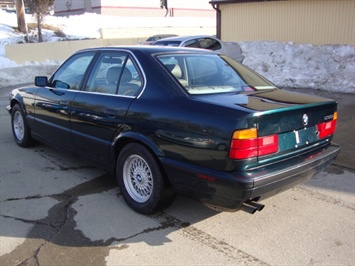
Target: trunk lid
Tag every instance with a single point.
(299, 122)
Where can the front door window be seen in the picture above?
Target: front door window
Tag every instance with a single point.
(71, 73)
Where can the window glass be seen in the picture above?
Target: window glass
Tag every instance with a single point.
(208, 74)
(71, 73)
(168, 43)
(210, 44)
(115, 73)
(192, 43)
(131, 80)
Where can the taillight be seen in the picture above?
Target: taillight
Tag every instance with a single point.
(326, 129)
(246, 144)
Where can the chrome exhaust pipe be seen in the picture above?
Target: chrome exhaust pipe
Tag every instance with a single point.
(248, 209)
(255, 204)
(251, 206)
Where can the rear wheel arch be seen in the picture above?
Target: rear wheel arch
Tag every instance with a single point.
(160, 192)
(122, 142)
(131, 137)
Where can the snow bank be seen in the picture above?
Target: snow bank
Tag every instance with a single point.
(326, 67)
(17, 75)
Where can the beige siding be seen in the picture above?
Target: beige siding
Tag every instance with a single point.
(300, 21)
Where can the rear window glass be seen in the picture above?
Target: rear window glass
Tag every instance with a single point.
(208, 74)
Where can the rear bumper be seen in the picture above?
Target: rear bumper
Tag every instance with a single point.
(230, 190)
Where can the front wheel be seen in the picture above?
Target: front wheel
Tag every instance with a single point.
(141, 180)
(20, 129)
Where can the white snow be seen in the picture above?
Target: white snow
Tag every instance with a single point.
(325, 67)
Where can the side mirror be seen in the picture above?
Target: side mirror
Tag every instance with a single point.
(61, 85)
(41, 81)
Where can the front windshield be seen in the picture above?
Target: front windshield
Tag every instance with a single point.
(207, 74)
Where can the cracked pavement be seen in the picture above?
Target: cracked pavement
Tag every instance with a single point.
(57, 209)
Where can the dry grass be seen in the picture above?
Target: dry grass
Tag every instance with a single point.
(33, 26)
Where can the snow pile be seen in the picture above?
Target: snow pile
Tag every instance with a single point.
(22, 74)
(327, 67)
(12, 73)
(8, 35)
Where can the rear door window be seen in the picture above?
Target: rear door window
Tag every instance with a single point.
(115, 73)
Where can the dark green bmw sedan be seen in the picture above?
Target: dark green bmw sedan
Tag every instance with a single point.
(169, 121)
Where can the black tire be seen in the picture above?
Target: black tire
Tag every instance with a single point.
(141, 181)
(20, 128)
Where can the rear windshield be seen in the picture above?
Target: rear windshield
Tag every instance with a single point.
(207, 74)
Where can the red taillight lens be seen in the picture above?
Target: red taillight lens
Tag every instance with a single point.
(243, 149)
(268, 144)
(326, 129)
(245, 144)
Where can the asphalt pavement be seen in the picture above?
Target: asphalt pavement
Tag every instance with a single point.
(58, 210)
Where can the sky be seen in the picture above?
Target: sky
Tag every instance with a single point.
(325, 67)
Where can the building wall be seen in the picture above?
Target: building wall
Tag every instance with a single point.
(300, 21)
(66, 7)
(7, 4)
(57, 51)
(147, 8)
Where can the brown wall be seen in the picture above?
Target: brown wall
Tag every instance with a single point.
(300, 21)
(57, 51)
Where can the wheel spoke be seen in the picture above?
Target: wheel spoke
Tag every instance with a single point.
(18, 125)
(138, 178)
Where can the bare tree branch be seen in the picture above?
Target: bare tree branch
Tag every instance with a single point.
(40, 9)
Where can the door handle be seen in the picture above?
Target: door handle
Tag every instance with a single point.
(111, 113)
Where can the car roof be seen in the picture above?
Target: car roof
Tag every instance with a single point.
(185, 38)
(148, 49)
(163, 35)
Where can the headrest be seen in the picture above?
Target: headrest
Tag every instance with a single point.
(114, 72)
(127, 75)
(176, 71)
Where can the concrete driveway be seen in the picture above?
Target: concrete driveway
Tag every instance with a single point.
(56, 209)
